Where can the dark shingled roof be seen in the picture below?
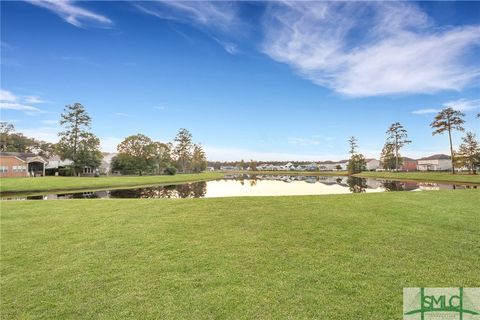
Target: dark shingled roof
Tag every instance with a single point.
(21, 155)
(437, 157)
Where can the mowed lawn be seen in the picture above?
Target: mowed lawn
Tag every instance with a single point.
(424, 176)
(307, 257)
(42, 184)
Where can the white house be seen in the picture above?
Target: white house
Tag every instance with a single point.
(372, 164)
(437, 162)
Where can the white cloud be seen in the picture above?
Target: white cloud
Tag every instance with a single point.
(463, 105)
(159, 108)
(370, 48)
(425, 111)
(212, 16)
(121, 114)
(217, 14)
(9, 101)
(7, 96)
(72, 13)
(33, 99)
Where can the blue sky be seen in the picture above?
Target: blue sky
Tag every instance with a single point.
(262, 80)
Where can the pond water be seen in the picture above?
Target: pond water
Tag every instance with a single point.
(255, 185)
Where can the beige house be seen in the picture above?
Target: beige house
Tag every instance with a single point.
(437, 162)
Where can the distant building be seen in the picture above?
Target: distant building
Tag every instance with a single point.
(20, 164)
(409, 164)
(372, 164)
(437, 162)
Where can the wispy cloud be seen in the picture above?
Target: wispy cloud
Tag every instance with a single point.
(34, 99)
(463, 105)
(400, 50)
(121, 114)
(159, 108)
(425, 111)
(214, 17)
(9, 101)
(216, 14)
(72, 13)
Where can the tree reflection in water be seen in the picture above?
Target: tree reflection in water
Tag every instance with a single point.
(357, 185)
(393, 186)
(189, 190)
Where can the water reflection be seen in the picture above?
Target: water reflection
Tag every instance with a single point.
(257, 185)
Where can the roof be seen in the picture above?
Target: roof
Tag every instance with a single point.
(408, 159)
(21, 155)
(437, 157)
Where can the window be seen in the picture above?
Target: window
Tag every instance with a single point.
(3, 169)
(19, 168)
(87, 170)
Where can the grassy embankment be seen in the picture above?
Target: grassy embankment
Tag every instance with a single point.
(310, 257)
(58, 184)
(424, 176)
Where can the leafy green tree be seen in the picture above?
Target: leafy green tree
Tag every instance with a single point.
(397, 135)
(77, 143)
(357, 162)
(253, 165)
(12, 141)
(5, 130)
(183, 149)
(338, 167)
(199, 158)
(163, 156)
(138, 152)
(241, 164)
(388, 157)
(448, 120)
(468, 154)
(88, 153)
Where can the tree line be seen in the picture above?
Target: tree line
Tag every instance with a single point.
(137, 154)
(447, 121)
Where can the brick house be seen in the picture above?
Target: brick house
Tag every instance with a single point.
(20, 164)
(409, 164)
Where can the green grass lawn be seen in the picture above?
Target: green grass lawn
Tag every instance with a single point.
(424, 176)
(308, 257)
(42, 184)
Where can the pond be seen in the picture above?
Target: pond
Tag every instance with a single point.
(255, 185)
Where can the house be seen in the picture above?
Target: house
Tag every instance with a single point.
(372, 164)
(312, 167)
(409, 164)
(343, 164)
(106, 162)
(54, 164)
(21, 164)
(437, 162)
(327, 166)
(228, 168)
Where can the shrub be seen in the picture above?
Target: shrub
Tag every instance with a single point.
(170, 171)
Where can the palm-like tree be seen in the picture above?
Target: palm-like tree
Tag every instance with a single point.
(448, 120)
